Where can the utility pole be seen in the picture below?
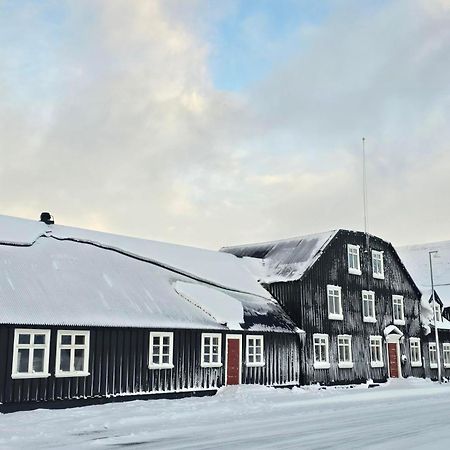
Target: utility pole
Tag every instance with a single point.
(436, 334)
(365, 193)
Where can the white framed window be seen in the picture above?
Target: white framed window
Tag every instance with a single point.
(415, 351)
(30, 353)
(321, 355)
(254, 351)
(354, 266)
(446, 354)
(432, 355)
(345, 360)
(211, 350)
(334, 302)
(398, 310)
(72, 353)
(377, 264)
(368, 306)
(437, 308)
(161, 350)
(376, 351)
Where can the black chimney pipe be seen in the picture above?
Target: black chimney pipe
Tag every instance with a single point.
(47, 218)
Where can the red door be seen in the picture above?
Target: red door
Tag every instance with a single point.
(233, 360)
(393, 360)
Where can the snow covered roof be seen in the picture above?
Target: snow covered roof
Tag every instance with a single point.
(416, 260)
(283, 260)
(56, 275)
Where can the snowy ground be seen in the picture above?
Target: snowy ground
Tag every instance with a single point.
(404, 414)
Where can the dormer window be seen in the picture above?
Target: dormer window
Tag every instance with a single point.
(377, 264)
(437, 308)
(354, 266)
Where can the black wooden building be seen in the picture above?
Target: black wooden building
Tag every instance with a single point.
(352, 296)
(91, 316)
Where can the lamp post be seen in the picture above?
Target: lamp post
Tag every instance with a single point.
(436, 334)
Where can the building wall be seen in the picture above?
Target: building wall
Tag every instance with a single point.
(444, 338)
(306, 302)
(118, 365)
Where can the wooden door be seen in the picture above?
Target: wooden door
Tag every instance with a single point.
(233, 360)
(393, 360)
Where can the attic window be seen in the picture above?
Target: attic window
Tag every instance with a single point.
(72, 354)
(398, 310)
(416, 356)
(334, 302)
(211, 350)
(31, 353)
(161, 351)
(377, 264)
(437, 308)
(354, 266)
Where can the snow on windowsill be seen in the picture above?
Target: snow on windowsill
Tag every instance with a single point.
(71, 374)
(158, 366)
(345, 365)
(376, 364)
(416, 364)
(354, 271)
(321, 365)
(378, 276)
(211, 365)
(17, 376)
(369, 320)
(335, 316)
(399, 322)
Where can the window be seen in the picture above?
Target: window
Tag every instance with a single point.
(161, 350)
(437, 308)
(377, 264)
(72, 354)
(321, 359)
(211, 350)
(446, 351)
(334, 302)
(353, 259)
(345, 351)
(31, 353)
(398, 312)
(433, 356)
(368, 304)
(416, 355)
(255, 346)
(376, 352)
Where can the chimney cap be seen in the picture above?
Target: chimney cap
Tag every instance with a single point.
(47, 218)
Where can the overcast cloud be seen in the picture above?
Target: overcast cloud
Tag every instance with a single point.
(111, 118)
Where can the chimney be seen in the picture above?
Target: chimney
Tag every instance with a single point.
(47, 218)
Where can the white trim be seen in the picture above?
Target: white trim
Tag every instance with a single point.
(151, 364)
(437, 306)
(402, 320)
(353, 270)
(370, 299)
(334, 316)
(228, 337)
(379, 341)
(261, 339)
(432, 344)
(72, 347)
(321, 364)
(219, 355)
(445, 345)
(345, 364)
(414, 340)
(378, 275)
(31, 347)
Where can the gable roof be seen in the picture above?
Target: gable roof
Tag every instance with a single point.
(283, 260)
(56, 275)
(416, 260)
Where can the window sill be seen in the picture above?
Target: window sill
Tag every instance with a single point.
(378, 276)
(335, 317)
(417, 364)
(345, 365)
(29, 375)
(354, 271)
(399, 322)
(446, 366)
(376, 364)
(433, 366)
(261, 364)
(206, 365)
(369, 320)
(71, 374)
(321, 365)
(160, 366)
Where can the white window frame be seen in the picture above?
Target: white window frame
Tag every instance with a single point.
(31, 347)
(333, 315)
(160, 365)
(256, 337)
(438, 312)
(415, 343)
(378, 254)
(376, 341)
(72, 347)
(210, 353)
(398, 321)
(369, 297)
(351, 248)
(430, 346)
(326, 363)
(345, 364)
(446, 351)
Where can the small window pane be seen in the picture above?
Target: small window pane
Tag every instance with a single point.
(155, 359)
(39, 339)
(22, 360)
(215, 358)
(79, 359)
(155, 340)
(38, 360)
(66, 339)
(24, 338)
(79, 339)
(165, 359)
(166, 340)
(155, 349)
(64, 364)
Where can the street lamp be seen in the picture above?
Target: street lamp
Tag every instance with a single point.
(436, 334)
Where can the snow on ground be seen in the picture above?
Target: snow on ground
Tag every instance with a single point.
(401, 414)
